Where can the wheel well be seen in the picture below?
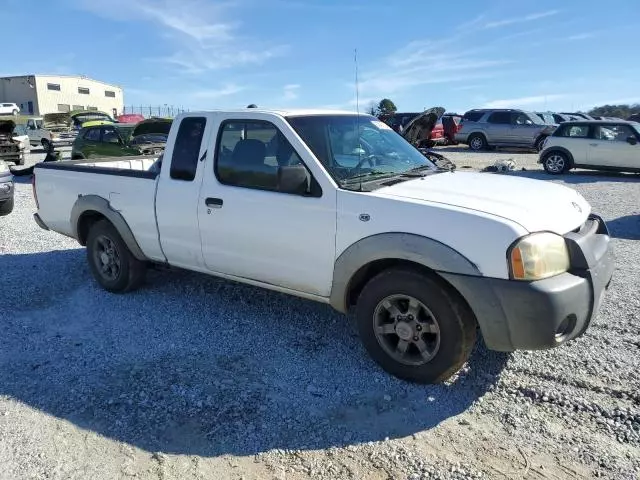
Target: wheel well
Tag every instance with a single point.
(370, 270)
(85, 222)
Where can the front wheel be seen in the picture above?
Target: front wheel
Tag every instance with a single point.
(413, 328)
(555, 163)
(113, 265)
(45, 144)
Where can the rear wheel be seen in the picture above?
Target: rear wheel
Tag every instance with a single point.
(477, 142)
(14, 112)
(555, 163)
(414, 328)
(113, 265)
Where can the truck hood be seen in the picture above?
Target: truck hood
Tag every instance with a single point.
(534, 204)
(421, 126)
(57, 121)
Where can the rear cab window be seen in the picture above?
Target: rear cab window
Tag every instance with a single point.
(186, 150)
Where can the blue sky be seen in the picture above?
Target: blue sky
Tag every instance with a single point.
(300, 53)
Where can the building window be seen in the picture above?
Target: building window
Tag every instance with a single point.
(109, 93)
(83, 90)
(78, 107)
(92, 108)
(63, 107)
(53, 86)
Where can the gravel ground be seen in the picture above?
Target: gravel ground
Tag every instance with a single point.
(194, 377)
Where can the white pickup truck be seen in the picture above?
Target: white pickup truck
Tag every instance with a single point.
(338, 208)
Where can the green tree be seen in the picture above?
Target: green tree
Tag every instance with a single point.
(386, 107)
(372, 108)
(618, 111)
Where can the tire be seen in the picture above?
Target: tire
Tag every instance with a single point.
(45, 144)
(477, 142)
(555, 162)
(14, 113)
(106, 249)
(444, 327)
(6, 207)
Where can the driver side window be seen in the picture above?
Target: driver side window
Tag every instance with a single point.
(255, 154)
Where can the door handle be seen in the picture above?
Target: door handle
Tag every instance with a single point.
(213, 202)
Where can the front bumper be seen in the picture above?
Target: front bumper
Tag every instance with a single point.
(516, 315)
(39, 221)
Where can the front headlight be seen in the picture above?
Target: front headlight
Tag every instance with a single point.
(537, 256)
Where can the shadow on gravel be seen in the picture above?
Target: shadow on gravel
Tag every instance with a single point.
(497, 151)
(627, 227)
(576, 177)
(194, 365)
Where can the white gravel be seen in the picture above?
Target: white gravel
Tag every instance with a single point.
(194, 377)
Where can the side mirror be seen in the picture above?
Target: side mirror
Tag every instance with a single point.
(632, 140)
(293, 179)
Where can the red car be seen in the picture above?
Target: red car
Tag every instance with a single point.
(130, 118)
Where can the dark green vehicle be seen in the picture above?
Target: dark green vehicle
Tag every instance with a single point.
(102, 139)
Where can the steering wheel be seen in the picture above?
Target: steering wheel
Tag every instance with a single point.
(367, 158)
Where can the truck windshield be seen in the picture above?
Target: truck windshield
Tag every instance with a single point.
(359, 148)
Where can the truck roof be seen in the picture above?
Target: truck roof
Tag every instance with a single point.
(281, 112)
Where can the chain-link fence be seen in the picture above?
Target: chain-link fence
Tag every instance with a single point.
(154, 111)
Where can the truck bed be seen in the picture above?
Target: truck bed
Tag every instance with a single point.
(128, 184)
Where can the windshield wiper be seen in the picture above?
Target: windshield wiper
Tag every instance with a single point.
(373, 175)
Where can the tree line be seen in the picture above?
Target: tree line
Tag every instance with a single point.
(619, 111)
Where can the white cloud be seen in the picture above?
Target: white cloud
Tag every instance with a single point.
(523, 101)
(290, 92)
(527, 18)
(201, 35)
(225, 91)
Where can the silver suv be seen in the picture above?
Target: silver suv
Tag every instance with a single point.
(484, 128)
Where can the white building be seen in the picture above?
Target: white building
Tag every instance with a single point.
(40, 94)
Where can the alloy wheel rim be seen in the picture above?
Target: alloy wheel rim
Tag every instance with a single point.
(406, 330)
(555, 163)
(107, 258)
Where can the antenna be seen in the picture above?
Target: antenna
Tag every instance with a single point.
(355, 60)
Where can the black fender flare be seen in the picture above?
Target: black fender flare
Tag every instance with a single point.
(423, 251)
(95, 204)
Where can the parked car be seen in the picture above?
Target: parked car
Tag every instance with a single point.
(10, 150)
(451, 125)
(6, 189)
(100, 139)
(593, 144)
(130, 118)
(485, 128)
(299, 202)
(634, 118)
(434, 135)
(578, 115)
(547, 118)
(9, 109)
(20, 135)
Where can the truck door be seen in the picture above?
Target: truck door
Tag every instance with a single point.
(178, 192)
(250, 227)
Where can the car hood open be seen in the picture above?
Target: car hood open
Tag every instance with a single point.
(152, 125)
(536, 205)
(56, 120)
(421, 126)
(7, 127)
